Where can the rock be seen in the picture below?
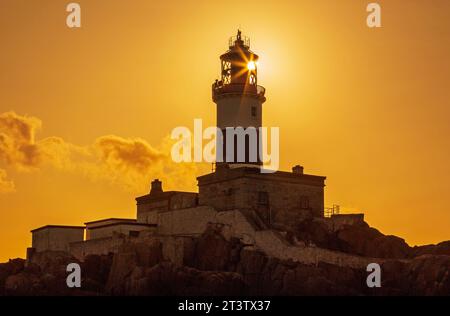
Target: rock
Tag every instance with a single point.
(424, 275)
(314, 232)
(97, 267)
(214, 253)
(53, 262)
(122, 266)
(324, 279)
(369, 242)
(252, 262)
(360, 239)
(130, 256)
(96, 270)
(223, 266)
(442, 248)
(147, 253)
(11, 267)
(166, 279)
(21, 284)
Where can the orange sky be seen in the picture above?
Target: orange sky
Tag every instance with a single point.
(368, 108)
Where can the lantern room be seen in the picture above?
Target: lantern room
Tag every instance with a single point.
(239, 70)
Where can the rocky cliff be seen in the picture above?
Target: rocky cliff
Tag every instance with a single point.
(217, 266)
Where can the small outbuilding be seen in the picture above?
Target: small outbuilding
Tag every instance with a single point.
(56, 237)
(106, 227)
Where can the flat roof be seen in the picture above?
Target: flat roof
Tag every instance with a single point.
(122, 223)
(228, 174)
(112, 219)
(161, 196)
(57, 226)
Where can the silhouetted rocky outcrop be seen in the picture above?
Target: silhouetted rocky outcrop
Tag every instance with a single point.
(11, 268)
(369, 242)
(217, 266)
(363, 240)
(442, 248)
(424, 275)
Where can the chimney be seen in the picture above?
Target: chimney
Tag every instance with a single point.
(297, 169)
(156, 187)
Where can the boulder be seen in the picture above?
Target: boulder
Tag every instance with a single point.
(427, 275)
(369, 242)
(13, 266)
(442, 248)
(214, 253)
(21, 284)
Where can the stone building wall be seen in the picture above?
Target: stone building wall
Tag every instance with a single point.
(148, 206)
(148, 212)
(190, 221)
(121, 228)
(174, 248)
(279, 198)
(101, 246)
(180, 200)
(56, 238)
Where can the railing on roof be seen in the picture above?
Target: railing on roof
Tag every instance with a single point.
(334, 210)
(245, 40)
(220, 88)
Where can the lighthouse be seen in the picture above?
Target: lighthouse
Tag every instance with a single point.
(239, 100)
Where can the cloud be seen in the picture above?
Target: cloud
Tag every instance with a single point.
(127, 154)
(132, 162)
(126, 162)
(6, 186)
(17, 140)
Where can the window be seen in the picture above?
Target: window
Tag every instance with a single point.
(134, 233)
(304, 202)
(254, 111)
(226, 72)
(263, 198)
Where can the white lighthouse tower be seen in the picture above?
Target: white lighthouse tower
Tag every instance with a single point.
(239, 99)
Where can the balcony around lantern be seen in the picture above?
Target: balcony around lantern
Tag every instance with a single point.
(219, 89)
(242, 40)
